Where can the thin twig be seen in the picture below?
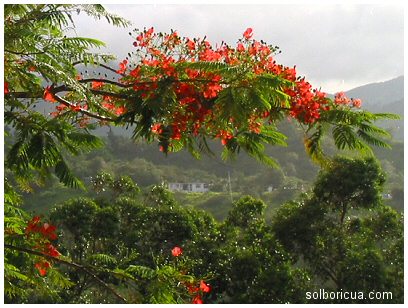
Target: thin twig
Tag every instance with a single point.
(105, 81)
(101, 65)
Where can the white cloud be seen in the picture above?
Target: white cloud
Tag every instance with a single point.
(332, 45)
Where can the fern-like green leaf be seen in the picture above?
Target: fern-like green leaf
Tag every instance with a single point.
(66, 176)
(141, 271)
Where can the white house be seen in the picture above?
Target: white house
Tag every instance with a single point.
(189, 187)
(270, 188)
(387, 196)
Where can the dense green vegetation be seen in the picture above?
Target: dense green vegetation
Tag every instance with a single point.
(147, 166)
(338, 236)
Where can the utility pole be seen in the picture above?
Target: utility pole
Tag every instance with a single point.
(229, 186)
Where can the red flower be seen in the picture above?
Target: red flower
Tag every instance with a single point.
(150, 31)
(48, 95)
(187, 100)
(122, 67)
(204, 287)
(157, 128)
(109, 106)
(176, 132)
(6, 88)
(176, 251)
(197, 300)
(254, 49)
(51, 251)
(42, 267)
(135, 73)
(212, 90)
(356, 102)
(120, 110)
(240, 47)
(75, 108)
(290, 73)
(32, 225)
(225, 136)
(49, 231)
(97, 84)
(248, 33)
(191, 73)
(190, 44)
(341, 98)
(192, 289)
(61, 107)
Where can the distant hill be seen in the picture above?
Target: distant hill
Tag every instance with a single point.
(376, 95)
(384, 97)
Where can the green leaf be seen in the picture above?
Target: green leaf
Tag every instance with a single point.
(141, 271)
(345, 138)
(66, 176)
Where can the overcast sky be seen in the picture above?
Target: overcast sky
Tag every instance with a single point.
(337, 47)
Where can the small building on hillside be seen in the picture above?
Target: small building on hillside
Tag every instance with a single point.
(189, 187)
(270, 188)
(387, 196)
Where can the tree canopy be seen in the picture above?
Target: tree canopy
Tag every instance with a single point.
(174, 90)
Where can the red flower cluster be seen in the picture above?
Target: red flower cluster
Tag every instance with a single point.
(48, 95)
(46, 230)
(122, 67)
(225, 136)
(341, 99)
(42, 267)
(197, 291)
(157, 128)
(44, 233)
(306, 103)
(97, 84)
(144, 38)
(6, 88)
(108, 104)
(192, 106)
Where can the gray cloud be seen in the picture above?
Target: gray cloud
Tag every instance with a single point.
(336, 47)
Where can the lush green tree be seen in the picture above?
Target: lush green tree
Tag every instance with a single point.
(252, 266)
(343, 232)
(38, 51)
(360, 186)
(124, 237)
(75, 218)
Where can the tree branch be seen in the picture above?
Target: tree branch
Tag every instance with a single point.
(101, 65)
(19, 53)
(106, 81)
(83, 111)
(71, 264)
(64, 88)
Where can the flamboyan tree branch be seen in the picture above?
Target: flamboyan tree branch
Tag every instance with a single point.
(20, 53)
(65, 88)
(101, 65)
(83, 111)
(71, 264)
(105, 81)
